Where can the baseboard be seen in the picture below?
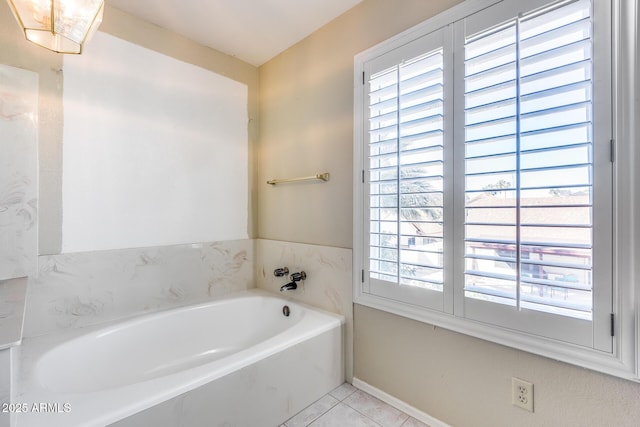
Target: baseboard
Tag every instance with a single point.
(399, 404)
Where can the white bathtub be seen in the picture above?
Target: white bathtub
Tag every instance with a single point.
(234, 362)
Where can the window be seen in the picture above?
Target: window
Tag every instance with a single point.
(405, 151)
(485, 140)
(529, 173)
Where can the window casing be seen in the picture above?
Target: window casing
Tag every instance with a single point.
(495, 216)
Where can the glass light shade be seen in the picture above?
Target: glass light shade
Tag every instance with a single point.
(62, 26)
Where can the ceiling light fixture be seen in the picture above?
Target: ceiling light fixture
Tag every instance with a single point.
(62, 26)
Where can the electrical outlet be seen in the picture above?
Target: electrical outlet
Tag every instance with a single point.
(522, 394)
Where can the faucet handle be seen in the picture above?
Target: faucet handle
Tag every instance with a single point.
(296, 277)
(281, 272)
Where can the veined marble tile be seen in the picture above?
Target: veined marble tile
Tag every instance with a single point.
(5, 386)
(12, 303)
(328, 285)
(18, 171)
(86, 288)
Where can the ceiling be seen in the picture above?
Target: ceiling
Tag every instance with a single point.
(251, 30)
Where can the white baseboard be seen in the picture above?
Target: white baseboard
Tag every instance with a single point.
(398, 404)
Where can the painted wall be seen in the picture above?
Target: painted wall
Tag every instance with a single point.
(466, 381)
(306, 107)
(144, 34)
(155, 150)
(16, 51)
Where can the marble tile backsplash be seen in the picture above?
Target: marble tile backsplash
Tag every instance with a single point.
(328, 285)
(18, 171)
(80, 289)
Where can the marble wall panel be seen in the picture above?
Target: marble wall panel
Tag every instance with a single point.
(18, 171)
(12, 303)
(328, 285)
(80, 289)
(5, 386)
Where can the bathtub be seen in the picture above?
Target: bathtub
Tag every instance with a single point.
(238, 361)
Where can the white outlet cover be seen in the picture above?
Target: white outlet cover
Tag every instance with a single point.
(522, 394)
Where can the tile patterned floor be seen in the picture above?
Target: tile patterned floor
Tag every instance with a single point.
(347, 406)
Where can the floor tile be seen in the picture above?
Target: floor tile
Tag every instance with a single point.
(412, 422)
(312, 412)
(344, 391)
(342, 415)
(382, 413)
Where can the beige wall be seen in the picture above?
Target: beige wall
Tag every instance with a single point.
(466, 381)
(306, 108)
(17, 52)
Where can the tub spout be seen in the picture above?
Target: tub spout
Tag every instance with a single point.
(289, 287)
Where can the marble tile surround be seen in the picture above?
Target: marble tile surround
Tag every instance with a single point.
(18, 171)
(328, 285)
(12, 303)
(80, 289)
(86, 288)
(5, 385)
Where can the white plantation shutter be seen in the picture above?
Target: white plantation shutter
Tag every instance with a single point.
(529, 173)
(487, 184)
(405, 174)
